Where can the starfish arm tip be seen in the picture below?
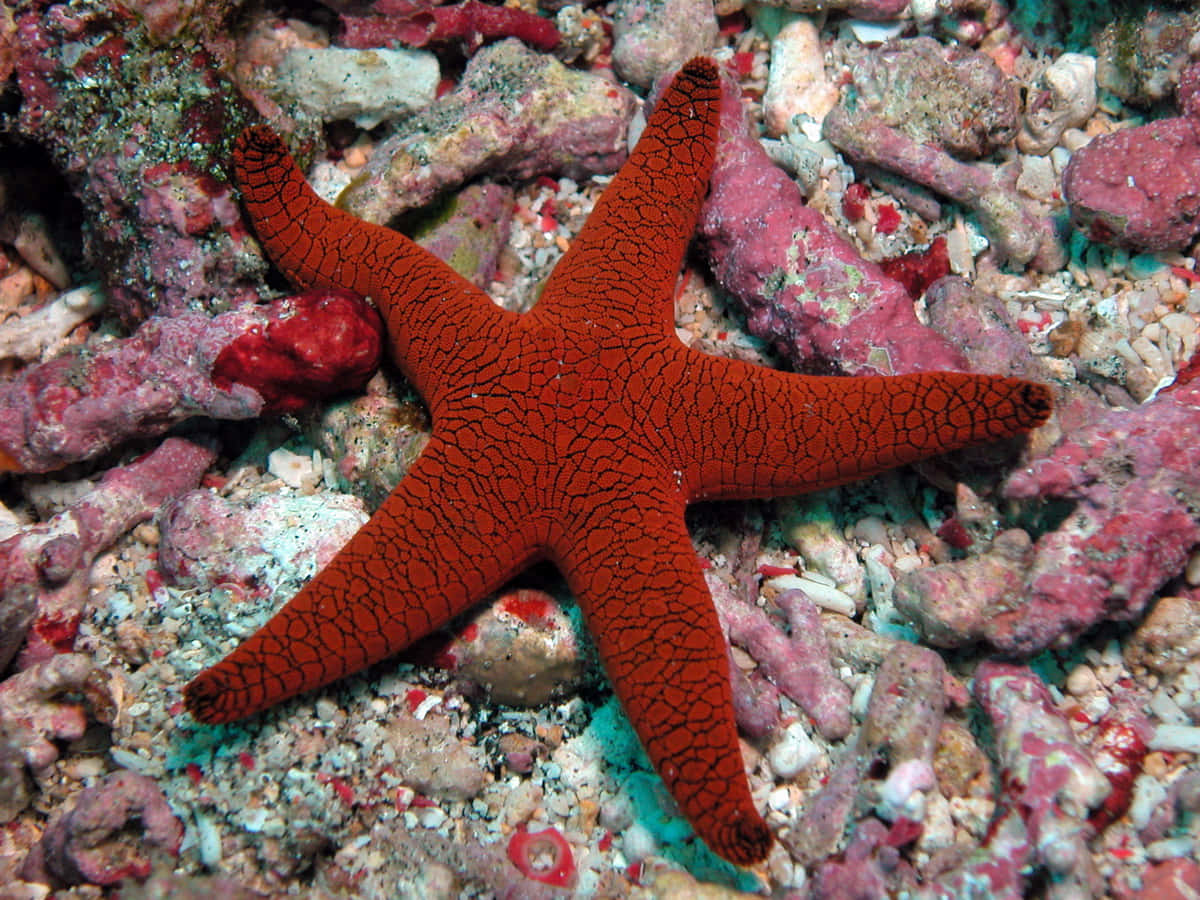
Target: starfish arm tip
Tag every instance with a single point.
(254, 147)
(746, 841)
(206, 697)
(1037, 403)
(702, 67)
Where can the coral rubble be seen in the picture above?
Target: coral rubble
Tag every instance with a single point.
(900, 186)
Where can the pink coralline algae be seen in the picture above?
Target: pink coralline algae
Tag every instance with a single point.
(904, 713)
(980, 324)
(1133, 476)
(472, 23)
(803, 286)
(481, 860)
(257, 359)
(254, 542)
(92, 843)
(53, 560)
(868, 867)
(797, 664)
(42, 709)
(917, 110)
(1173, 879)
(890, 765)
(161, 223)
(36, 710)
(951, 604)
(545, 119)
(1136, 187)
(1050, 785)
(521, 649)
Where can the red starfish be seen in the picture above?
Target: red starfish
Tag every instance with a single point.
(578, 433)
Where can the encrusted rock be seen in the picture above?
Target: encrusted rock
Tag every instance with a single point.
(1168, 638)
(655, 36)
(1139, 60)
(957, 100)
(1136, 187)
(91, 843)
(260, 542)
(521, 649)
(432, 761)
(515, 111)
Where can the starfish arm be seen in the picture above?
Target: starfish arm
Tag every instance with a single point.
(640, 586)
(766, 433)
(632, 245)
(415, 565)
(317, 245)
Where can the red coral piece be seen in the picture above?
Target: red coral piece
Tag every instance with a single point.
(326, 341)
(919, 269)
(903, 832)
(1186, 373)
(1119, 751)
(531, 607)
(344, 791)
(92, 843)
(58, 629)
(889, 219)
(854, 201)
(528, 851)
(954, 533)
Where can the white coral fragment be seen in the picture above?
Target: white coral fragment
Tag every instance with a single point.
(1069, 101)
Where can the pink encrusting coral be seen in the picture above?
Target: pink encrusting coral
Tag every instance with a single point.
(91, 843)
(52, 561)
(469, 22)
(1136, 187)
(255, 360)
(1132, 478)
(803, 286)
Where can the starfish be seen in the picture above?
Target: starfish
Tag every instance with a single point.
(577, 433)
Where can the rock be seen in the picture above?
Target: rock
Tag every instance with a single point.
(1136, 188)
